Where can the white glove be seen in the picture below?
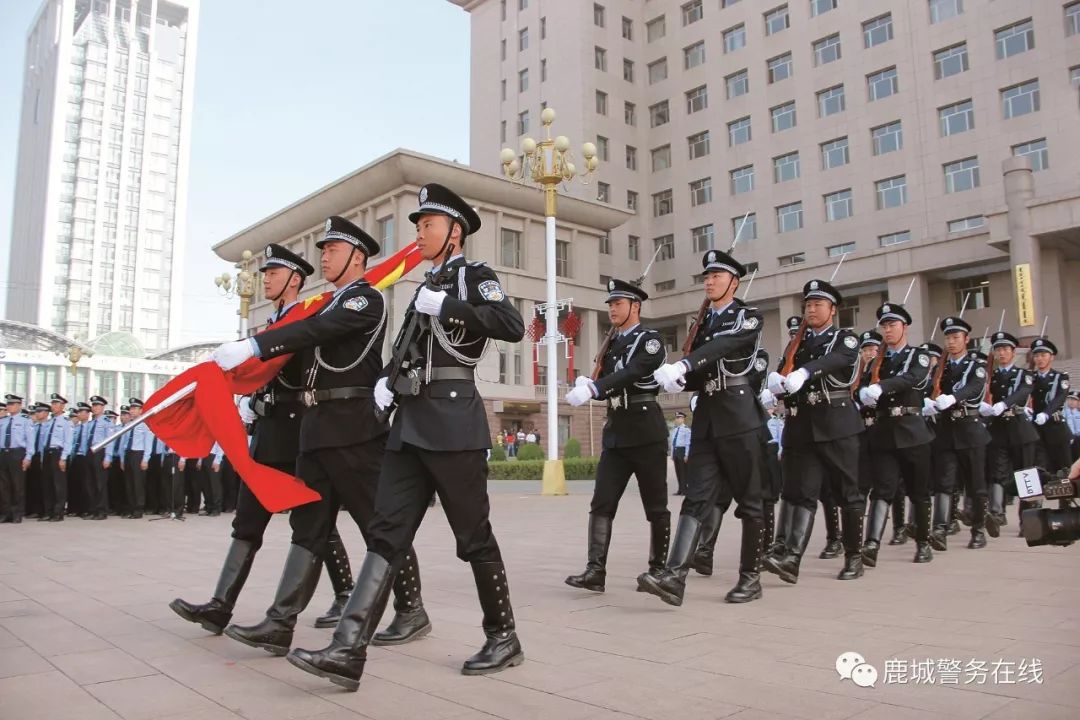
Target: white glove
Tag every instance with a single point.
(794, 381)
(693, 402)
(874, 392)
(579, 395)
(231, 354)
(1041, 419)
(675, 386)
(998, 408)
(929, 408)
(985, 409)
(430, 302)
(247, 415)
(866, 399)
(582, 380)
(768, 400)
(944, 402)
(775, 383)
(670, 375)
(384, 397)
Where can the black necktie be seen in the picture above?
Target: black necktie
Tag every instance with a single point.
(7, 435)
(78, 438)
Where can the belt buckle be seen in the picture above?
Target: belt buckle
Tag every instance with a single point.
(868, 421)
(308, 398)
(896, 411)
(616, 402)
(813, 397)
(793, 411)
(712, 385)
(957, 414)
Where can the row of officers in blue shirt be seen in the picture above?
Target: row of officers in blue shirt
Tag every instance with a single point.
(48, 469)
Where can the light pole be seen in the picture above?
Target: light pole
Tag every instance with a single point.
(548, 163)
(244, 289)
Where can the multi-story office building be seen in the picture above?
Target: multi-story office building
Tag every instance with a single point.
(931, 140)
(100, 198)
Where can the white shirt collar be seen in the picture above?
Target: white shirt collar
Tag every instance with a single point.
(435, 268)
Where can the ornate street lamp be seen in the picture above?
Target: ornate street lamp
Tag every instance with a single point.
(242, 287)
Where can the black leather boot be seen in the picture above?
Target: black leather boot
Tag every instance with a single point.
(783, 522)
(659, 541)
(299, 578)
(595, 574)
(710, 530)
(340, 574)
(978, 520)
(851, 530)
(501, 649)
(899, 527)
(954, 522)
(411, 621)
(995, 513)
(923, 553)
(768, 511)
(964, 514)
(833, 545)
(939, 533)
(217, 613)
(671, 584)
(749, 586)
(342, 662)
(787, 565)
(875, 528)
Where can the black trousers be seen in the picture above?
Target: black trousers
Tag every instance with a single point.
(53, 484)
(230, 486)
(960, 469)
(408, 480)
(76, 484)
(170, 485)
(1003, 460)
(12, 483)
(678, 459)
(134, 481)
(648, 463)
(908, 468)
(96, 483)
(772, 483)
(34, 500)
(213, 491)
(726, 466)
(866, 468)
(154, 499)
(1053, 454)
(832, 465)
(249, 523)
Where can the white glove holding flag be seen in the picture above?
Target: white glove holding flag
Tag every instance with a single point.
(985, 409)
(230, 354)
(582, 380)
(430, 301)
(669, 376)
(795, 381)
(998, 408)
(775, 383)
(929, 407)
(247, 415)
(1041, 419)
(944, 402)
(866, 399)
(384, 397)
(767, 399)
(579, 395)
(874, 392)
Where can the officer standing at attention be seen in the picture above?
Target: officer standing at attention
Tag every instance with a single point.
(725, 444)
(54, 449)
(95, 464)
(135, 459)
(635, 433)
(78, 501)
(680, 443)
(15, 435)
(900, 439)
(438, 443)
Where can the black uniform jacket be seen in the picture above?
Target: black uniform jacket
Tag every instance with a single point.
(1013, 386)
(960, 427)
(823, 407)
(1048, 396)
(625, 379)
(899, 422)
(275, 437)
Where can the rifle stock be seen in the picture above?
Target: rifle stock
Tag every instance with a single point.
(695, 328)
(793, 347)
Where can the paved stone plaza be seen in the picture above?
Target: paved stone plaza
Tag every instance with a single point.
(86, 632)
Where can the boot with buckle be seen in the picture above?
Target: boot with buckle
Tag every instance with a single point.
(411, 620)
(978, 520)
(710, 530)
(340, 573)
(501, 649)
(786, 566)
(939, 533)
(833, 545)
(749, 585)
(923, 553)
(899, 527)
(595, 574)
(875, 528)
(851, 530)
(670, 585)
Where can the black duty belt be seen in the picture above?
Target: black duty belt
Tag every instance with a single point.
(623, 401)
(815, 397)
(963, 412)
(451, 373)
(719, 384)
(314, 397)
(895, 412)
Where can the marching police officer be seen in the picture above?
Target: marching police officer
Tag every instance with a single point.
(438, 443)
(1049, 391)
(821, 443)
(635, 433)
(725, 445)
(899, 438)
(15, 436)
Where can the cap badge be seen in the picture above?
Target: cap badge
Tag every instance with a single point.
(712, 257)
(329, 224)
(611, 285)
(813, 285)
(423, 194)
(886, 308)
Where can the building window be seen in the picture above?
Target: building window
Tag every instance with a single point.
(631, 157)
(739, 132)
(887, 138)
(734, 38)
(661, 158)
(1020, 99)
(964, 224)
(698, 145)
(693, 55)
(502, 9)
(523, 80)
(523, 4)
(792, 259)
(749, 228)
(831, 101)
(659, 114)
(1014, 39)
(786, 167)
(598, 15)
(543, 28)
(789, 217)
(627, 28)
(742, 180)
(976, 289)
(941, 10)
(628, 70)
(385, 233)
(701, 192)
(958, 118)
(697, 99)
(838, 205)
(827, 50)
(847, 315)
(602, 148)
(783, 117)
(655, 29)
(1036, 151)
(630, 114)
(894, 238)
(523, 39)
(666, 245)
(562, 258)
(502, 49)
(950, 61)
(692, 12)
(779, 68)
(662, 203)
(603, 192)
(891, 192)
(703, 238)
(502, 131)
(877, 31)
(543, 69)
(834, 153)
(882, 84)
(817, 7)
(839, 250)
(737, 84)
(523, 122)
(605, 244)
(502, 89)
(600, 58)
(510, 248)
(961, 175)
(1072, 19)
(777, 20)
(665, 286)
(633, 247)
(631, 200)
(601, 103)
(658, 71)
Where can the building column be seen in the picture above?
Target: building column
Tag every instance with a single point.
(917, 303)
(788, 305)
(1026, 307)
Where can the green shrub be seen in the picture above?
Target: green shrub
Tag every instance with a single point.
(575, 469)
(530, 451)
(572, 449)
(498, 453)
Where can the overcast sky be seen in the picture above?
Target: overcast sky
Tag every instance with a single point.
(288, 97)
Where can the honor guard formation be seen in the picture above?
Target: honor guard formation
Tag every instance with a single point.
(869, 425)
